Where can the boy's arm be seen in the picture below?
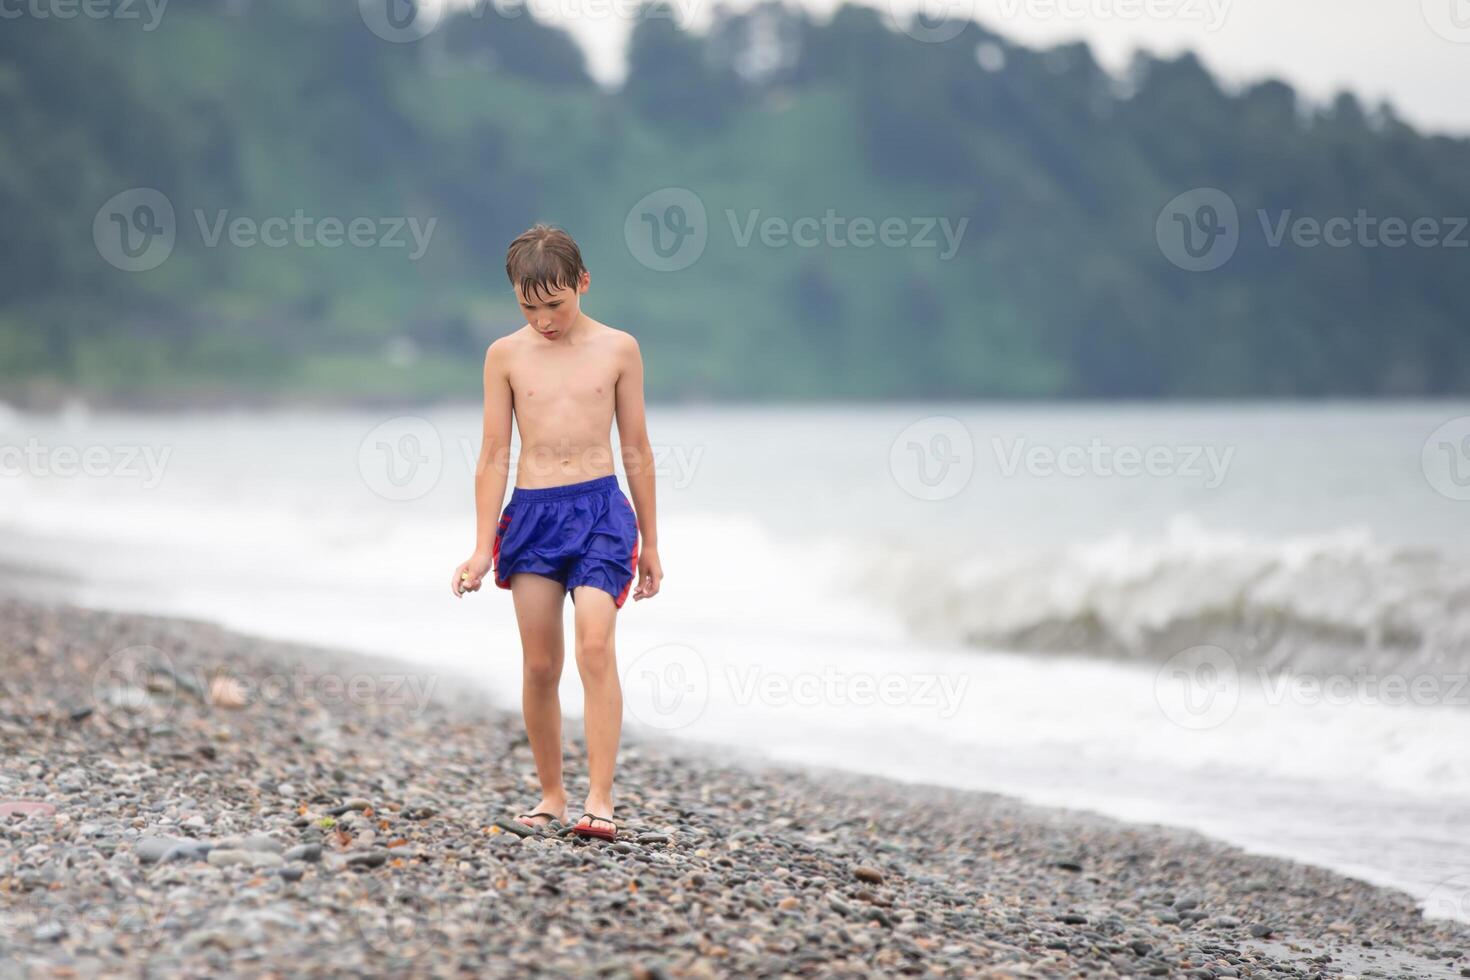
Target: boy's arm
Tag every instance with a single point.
(493, 470)
(491, 473)
(638, 463)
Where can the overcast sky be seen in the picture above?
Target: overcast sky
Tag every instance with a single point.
(1415, 53)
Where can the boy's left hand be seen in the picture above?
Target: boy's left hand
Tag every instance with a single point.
(650, 574)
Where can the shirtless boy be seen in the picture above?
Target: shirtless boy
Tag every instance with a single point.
(568, 526)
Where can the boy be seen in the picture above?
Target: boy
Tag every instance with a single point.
(568, 527)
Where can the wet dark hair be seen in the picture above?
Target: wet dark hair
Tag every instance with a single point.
(542, 259)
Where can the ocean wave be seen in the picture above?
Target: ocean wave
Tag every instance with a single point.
(1334, 602)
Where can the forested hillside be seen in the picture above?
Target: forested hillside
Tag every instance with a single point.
(1049, 174)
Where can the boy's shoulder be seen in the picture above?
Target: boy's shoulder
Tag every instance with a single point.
(601, 333)
(621, 346)
(620, 340)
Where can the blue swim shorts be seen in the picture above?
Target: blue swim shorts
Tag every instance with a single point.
(578, 534)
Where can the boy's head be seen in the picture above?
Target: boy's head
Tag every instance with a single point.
(545, 267)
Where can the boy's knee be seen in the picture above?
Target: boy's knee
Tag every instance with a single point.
(594, 652)
(542, 672)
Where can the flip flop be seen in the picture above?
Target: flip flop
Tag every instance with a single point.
(591, 831)
(538, 826)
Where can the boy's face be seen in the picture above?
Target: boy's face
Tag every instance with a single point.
(551, 314)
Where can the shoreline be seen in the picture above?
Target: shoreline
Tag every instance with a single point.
(725, 863)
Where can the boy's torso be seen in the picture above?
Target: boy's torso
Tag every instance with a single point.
(563, 396)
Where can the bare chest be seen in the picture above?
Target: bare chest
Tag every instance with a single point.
(553, 382)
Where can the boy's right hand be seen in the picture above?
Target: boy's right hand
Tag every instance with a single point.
(468, 576)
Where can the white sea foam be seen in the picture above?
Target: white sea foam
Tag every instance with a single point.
(1336, 601)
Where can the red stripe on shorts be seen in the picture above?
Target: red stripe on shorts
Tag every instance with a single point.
(632, 564)
(495, 553)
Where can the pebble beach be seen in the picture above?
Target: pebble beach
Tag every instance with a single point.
(180, 800)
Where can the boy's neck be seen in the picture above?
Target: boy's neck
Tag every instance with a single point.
(578, 327)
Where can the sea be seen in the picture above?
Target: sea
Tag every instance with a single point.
(1252, 620)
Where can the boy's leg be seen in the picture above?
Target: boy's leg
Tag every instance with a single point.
(538, 602)
(602, 712)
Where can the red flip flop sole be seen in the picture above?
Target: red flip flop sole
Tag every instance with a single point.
(589, 832)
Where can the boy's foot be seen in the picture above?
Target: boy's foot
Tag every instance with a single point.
(592, 820)
(541, 814)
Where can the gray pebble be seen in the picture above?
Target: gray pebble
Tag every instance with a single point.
(304, 852)
(225, 857)
(49, 932)
(367, 859)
